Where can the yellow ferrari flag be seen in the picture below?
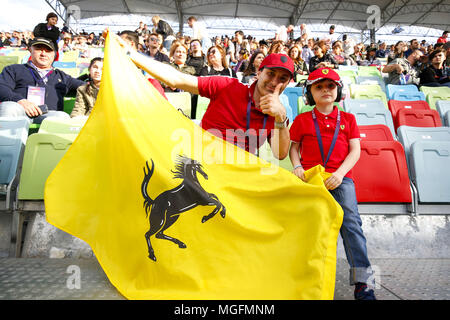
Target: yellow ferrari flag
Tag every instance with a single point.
(173, 212)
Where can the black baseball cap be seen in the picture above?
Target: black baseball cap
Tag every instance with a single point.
(44, 41)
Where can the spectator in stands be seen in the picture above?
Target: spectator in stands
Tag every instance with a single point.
(371, 59)
(49, 29)
(309, 134)
(443, 38)
(132, 40)
(276, 47)
(66, 45)
(414, 45)
(398, 52)
(178, 55)
(382, 52)
(196, 57)
(217, 63)
(81, 46)
(446, 47)
(321, 58)
(235, 106)
(436, 74)
(330, 37)
(87, 94)
(283, 33)
(154, 45)
(200, 32)
(242, 61)
(33, 88)
(307, 52)
(239, 38)
(300, 68)
(404, 71)
(263, 47)
(163, 28)
(92, 40)
(140, 29)
(339, 55)
(357, 56)
(304, 32)
(250, 74)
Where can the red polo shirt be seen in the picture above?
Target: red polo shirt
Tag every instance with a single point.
(304, 133)
(228, 110)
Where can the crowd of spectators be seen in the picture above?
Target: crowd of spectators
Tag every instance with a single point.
(240, 55)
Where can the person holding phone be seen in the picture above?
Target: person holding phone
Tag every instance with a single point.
(33, 88)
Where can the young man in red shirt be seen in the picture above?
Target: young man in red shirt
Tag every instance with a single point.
(238, 113)
(330, 137)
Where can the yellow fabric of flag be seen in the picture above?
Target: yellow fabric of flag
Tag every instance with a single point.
(226, 225)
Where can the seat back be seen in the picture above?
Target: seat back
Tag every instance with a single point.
(13, 137)
(8, 60)
(43, 151)
(446, 119)
(396, 105)
(370, 104)
(69, 104)
(285, 102)
(70, 56)
(375, 132)
(293, 94)
(417, 118)
(393, 88)
(434, 94)
(442, 107)
(430, 163)
(381, 173)
(64, 64)
(73, 72)
(368, 71)
(202, 105)
(62, 125)
(181, 101)
(365, 116)
(408, 96)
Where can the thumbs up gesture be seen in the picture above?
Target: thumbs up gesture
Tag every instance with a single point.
(270, 104)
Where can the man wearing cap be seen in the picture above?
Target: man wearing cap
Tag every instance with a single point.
(330, 137)
(234, 106)
(34, 88)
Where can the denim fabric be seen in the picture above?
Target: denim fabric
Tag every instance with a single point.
(352, 233)
(13, 109)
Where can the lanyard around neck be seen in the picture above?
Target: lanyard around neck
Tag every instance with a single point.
(41, 81)
(319, 137)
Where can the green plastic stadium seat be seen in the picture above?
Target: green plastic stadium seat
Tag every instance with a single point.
(62, 125)
(69, 104)
(202, 105)
(43, 151)
(8, 60)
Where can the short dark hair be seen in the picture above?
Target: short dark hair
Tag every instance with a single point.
(239, 32)
(435, 52)
(51, 15)
(131, 36)
(192, 18)
(94, 61)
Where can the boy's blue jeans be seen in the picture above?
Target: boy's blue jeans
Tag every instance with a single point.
(352, 234)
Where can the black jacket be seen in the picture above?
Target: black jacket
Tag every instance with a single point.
(41, 30)
(15, 79)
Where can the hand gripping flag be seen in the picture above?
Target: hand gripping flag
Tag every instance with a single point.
(174, 212)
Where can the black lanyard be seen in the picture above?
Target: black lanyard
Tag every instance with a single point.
(319, 137)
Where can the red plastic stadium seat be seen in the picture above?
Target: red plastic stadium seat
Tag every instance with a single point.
(381, 174)
(396, 105)
(418, 118)
(375, 132)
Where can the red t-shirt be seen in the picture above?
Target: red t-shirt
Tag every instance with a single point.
(227, 110)
(304, 133)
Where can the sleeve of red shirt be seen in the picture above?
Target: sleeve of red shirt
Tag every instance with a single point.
(295, 130)
(210, 87)
(353, 130)
(157, 86)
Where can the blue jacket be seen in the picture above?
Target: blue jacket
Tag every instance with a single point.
(15, 79)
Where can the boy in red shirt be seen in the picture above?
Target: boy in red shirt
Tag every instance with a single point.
(330, 137)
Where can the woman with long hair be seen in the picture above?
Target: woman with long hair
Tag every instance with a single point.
(295, 53)
(178, 56)
(250, 73)
(217, 63)
(321, 58)
(399, 50)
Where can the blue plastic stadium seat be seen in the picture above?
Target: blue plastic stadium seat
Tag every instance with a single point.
(409, 135)
(285, 102)
(446, 120)
(352, 68)
(443, 106)
(370, 104)
(371, 80)
(408, 96)
(366, 116)
(392, 88)
(63, 64)
(13, 137)
(293, 93)
(430, 163)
